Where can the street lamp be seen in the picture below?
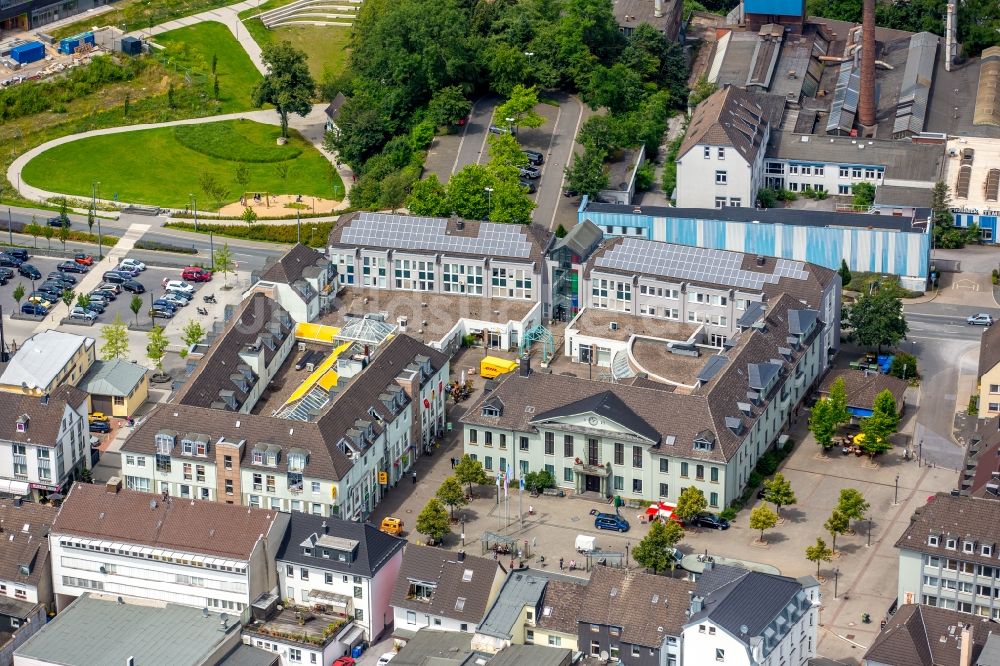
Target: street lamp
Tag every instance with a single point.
(194, 206)
(93, 203)
(627, 544)
(869, 530)
(489, 201)
(895, 496)
(920, 453)
(836, 574)
(510, 125)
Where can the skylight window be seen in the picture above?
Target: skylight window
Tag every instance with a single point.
(467, 576)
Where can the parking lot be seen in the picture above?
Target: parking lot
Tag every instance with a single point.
(151, 279)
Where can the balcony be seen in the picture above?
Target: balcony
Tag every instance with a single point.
(582, 467)
(315, 625)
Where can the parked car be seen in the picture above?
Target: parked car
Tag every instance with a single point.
(29, 271)
(610, 521)
(570, 193)
(98, 416)
(528, 185)
(710, 520)
(100, 426)
(115, 289)
(18, 252)
(116, 277)
(196, 274)
(9, 260)
(981, 319)
(38, 298)
(183, 296)
(58, 222)
(175, 298)
(529, 172)
(385, 658)
(72, 267)
(392, 525)
(534, 157)
(178, 285)
(51, 293)
(164, 303)
(82, 313)
(97, 306)
(6, 273)
(34, 309)
(161, 312)
(61, 276)
(132, 264)
(83, 259)
(343, 661)
(133, 286)
(131, 272)
(496, 129)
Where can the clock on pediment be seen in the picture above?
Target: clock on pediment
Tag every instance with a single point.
(593, 420)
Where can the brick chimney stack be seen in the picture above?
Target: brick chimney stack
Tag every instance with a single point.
(866, 104)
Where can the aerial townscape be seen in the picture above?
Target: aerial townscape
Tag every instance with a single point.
(499, 333)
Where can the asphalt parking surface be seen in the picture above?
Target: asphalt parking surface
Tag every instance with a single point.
(151, 279)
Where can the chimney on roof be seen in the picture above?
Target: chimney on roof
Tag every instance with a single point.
(113, 485)
(696, 604)
(965, 649)
(950, 40)
(866, 104)
(325, 527)
(524, 366)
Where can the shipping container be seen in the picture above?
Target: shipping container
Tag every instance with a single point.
(27, 53)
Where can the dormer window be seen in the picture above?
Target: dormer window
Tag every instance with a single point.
(296, 461)
(933, 540)
(950, 544)
(258, 457)
(271, 459)
(705, 441)
(968, 547)
(490, 410)
(987, 551)
(307, 551)
(22, 423)
(164, 443)
(24, 569)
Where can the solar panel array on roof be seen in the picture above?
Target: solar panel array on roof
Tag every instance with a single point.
(912, 107)
(992, 184)
(698, 264)
(962, 184)
(431, 233)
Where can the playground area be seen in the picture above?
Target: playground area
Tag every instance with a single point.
(279, 205)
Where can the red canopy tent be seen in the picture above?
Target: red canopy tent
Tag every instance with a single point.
(660, 511)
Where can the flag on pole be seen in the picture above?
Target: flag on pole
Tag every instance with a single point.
(506, 483)
(521, 483)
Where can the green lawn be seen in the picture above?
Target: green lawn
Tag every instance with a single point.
(140, 14)
(326, 46)
(154, 167)
(194, 46)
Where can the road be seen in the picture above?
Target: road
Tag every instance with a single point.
(472, 145)
(946, 347)
(558, 145)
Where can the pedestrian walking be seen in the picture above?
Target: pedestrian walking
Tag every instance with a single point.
(560, 564)
(453, 463)
(414, 477)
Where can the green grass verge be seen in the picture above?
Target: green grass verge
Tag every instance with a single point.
(235, 142)
(325, 46)
(263, 7)
(140, 14)
(192, 47)
(314, 234)
(152, 167)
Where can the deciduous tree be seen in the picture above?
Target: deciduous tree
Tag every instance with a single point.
(433, 521)
(157, 347)
(586, 175)
(448, 105)
(135, 305)
(471, 472)
(838, 402)
(778, 491)
(762, 518)
(115, 337)
(852, 504)
(520, 108)
(192, 334)
(877, 319)
(819, 553)
(690, 503)
(822, 423)
(655, 551)
(836, 524)
(428, 197)
(224, 262)
(451, 494)
(287, 86)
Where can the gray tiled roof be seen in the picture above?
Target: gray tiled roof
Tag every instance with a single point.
(44, 416)
(290, 266)
(375, 548)
(736, 598)
(25, 541)
(989, 350)
(442, 568)
(799, 321)
(607, 405)
(962, 518)
(736, 118)
(561, 605)
(581, 239)
(521, 589)
(117, 378)
(645, 606)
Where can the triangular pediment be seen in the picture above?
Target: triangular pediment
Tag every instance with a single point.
(603, 411)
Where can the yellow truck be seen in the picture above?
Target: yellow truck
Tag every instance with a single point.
(492, 367)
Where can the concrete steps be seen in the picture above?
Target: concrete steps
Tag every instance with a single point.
(312, 12)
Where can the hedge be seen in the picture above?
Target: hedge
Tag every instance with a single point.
(164, 247)
(274, 233)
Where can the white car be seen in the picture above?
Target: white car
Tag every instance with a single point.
(386, 658)
(132, 264)
(177, 285)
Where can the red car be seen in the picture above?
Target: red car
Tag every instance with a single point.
(344, 661)
(83, 259)
(195, 274)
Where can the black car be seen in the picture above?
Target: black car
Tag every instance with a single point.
(528, 185)
(29, 271)
(72, 267)
(710, 520)
(6, 273)
(134, 286)
(534, 157)
(114, 277)
(18, 252)
(164, 303)
(570, 193)
(96, 307)
(161, 312)
(106, 294)
(65, 278)
(9, 260)
(100, 426)
(58, 222)
(52, 289)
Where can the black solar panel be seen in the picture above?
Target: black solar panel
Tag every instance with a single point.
(962, 185)
(992, 184)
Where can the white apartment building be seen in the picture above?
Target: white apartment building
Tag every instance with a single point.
(188, 552)
(643, 440)
(499, 267)
(749, 618)
(302, 282)
(720, 161)
(43, 441)
(379, 418)
(706, 289)
(346, 566)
